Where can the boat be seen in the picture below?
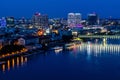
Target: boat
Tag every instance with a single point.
(68, 46)
(56, 48)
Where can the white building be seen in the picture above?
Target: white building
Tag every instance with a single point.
(31, 40)
(21, 41)
(74, 19)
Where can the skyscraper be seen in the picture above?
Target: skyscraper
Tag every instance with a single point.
(40, 21)
(71, 20)
(93, 19)
(74, 19)
(77, 18)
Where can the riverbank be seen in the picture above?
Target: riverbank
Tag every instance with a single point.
(34, 49)
(11, 51)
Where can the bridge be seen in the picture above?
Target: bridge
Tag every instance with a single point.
(100, 36)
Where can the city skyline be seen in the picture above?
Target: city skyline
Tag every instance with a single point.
(59, 8)
(59, 40)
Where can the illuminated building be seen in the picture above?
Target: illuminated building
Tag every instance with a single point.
(71, 20)
(28, 40)
(10, 21)
(77, 19)
(74, 19)
(3, 22)
(22, 21)
(40, 21)
(40, 32)
(93, 19)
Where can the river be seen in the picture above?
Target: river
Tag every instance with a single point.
(92, 60)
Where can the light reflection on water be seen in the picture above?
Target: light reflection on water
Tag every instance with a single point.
(10, 64)
(98, 49)
(93, 49)
(90, 49)
(78, 61)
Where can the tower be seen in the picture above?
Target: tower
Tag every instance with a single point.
(74, 19)
(93, 19)
(77, 19)
(40, 21)
(71, 20)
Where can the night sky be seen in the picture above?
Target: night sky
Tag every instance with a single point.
(59, 8)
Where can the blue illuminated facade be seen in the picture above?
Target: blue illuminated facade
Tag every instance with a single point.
(3, 22)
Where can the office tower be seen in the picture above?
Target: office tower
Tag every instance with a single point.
(40, 20)
(35, 20)
(93, 19)
(3, 22)
(71, 20)
(74, 19)
(77, 18)
(10, 21)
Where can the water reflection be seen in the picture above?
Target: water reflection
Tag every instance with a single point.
(95, 49)
(13, 63)
(85, 59)
(17, 61)
(88, 51)
(3, 67)
(99, 49)
(9, 64)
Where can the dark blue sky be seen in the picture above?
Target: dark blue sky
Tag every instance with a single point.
(59, 8)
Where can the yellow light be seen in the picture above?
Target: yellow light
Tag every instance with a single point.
(18, 61)
(13, 53)
(3, 67)
(3, 55)
(25, 59)
(8, 64)
(22, 60)
(13, 63)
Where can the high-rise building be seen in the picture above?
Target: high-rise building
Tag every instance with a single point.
(93, 19)
(74, 19)
(2, 22)
(40, 21)
(10, 21)
(77, 18)
(71, 20)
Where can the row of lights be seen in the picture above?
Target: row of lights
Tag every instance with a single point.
(13, 53)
